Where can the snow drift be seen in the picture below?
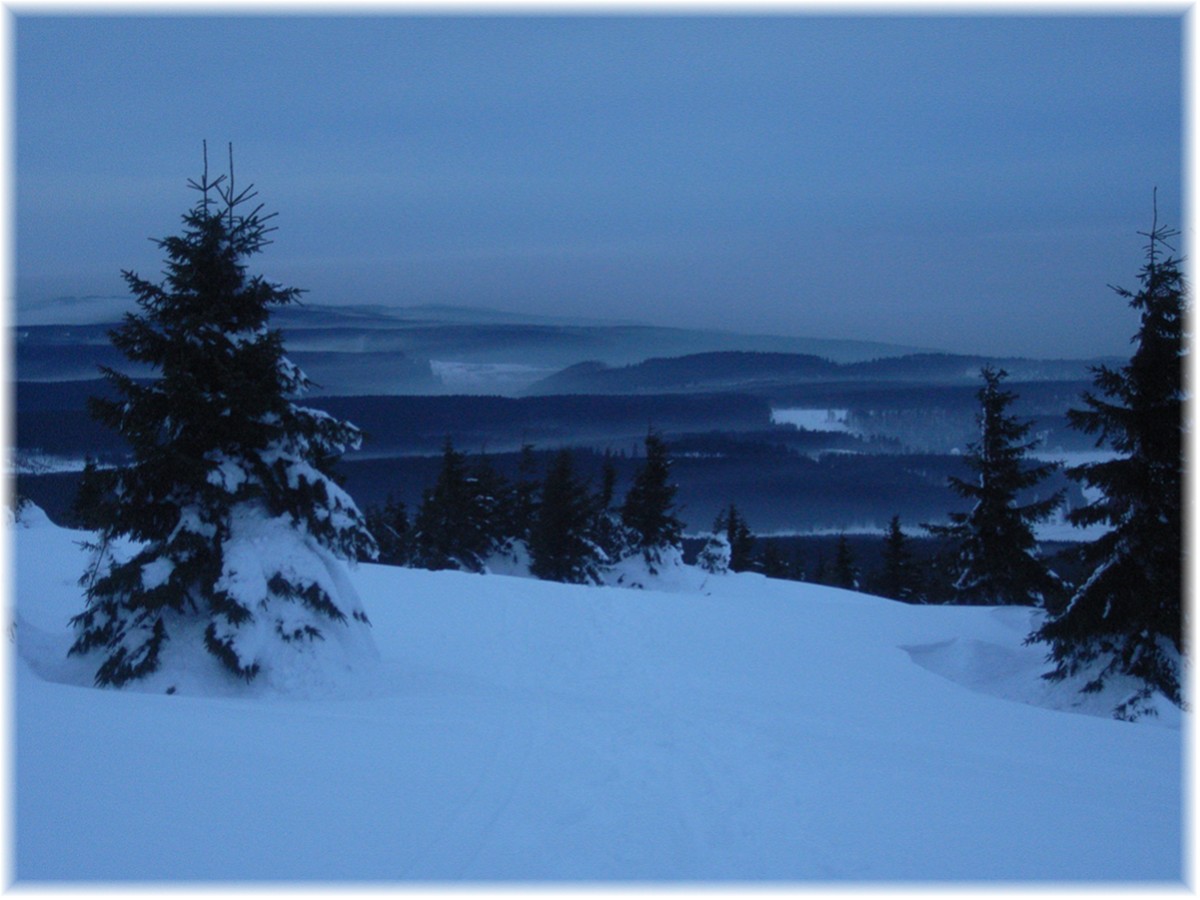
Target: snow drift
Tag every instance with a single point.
(729, 728)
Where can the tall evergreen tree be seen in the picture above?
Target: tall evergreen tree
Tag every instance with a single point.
(996, 559)
(649, 508)
(455, 523)
(898, 578)
(561, 545)
(1127, 618)
(230, 495)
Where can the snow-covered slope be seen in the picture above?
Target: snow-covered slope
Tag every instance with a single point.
(730, 728)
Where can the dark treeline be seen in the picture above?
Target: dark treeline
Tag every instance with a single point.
(53, 418)
(548, 517)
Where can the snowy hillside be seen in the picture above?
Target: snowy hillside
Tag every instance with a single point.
(728, 728)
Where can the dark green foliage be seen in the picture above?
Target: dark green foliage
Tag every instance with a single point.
(649, 508)
(1127, 618)
(997, 560)
(457, 523)
(741, 540)
(215, 430)
(561, 543)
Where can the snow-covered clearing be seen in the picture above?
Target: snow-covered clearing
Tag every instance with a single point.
(812, 419)
(728, 729)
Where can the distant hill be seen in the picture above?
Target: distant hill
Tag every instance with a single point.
(418, 349)
(773, 373)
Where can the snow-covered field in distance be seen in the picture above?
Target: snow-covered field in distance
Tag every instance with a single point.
(812, 419)
(717, 729)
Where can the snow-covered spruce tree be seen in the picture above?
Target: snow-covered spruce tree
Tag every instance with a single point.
(714, 556)
(997, 558)
(241, 531)
(1127, 618)
(738, 536)
(649, 508)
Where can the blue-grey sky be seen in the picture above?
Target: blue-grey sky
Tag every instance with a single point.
(966, 183)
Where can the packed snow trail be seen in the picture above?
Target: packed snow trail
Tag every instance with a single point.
(521, 730)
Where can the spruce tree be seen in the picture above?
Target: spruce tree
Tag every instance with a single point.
(239, 525)
(452, 528)
(996, 557)
(561, 544)
(898, 577)
(739, 537)
(649, 508)
(1127, 618)
(714, 555)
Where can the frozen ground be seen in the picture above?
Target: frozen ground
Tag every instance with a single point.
(726, 729)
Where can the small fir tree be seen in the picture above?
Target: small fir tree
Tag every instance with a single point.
(714, 556)
(239, 525)
(649, 508)
(739, 537)
(996, 560)
(1127, 618)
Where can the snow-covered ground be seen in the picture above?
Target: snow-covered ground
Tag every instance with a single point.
(727, 729)
(498, 378)
(812, 419)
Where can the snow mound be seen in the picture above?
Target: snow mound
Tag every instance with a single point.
(666, 571)
(1008, 668)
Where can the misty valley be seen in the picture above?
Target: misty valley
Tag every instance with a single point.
(809, 439)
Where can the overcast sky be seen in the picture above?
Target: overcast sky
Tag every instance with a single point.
(970, 184)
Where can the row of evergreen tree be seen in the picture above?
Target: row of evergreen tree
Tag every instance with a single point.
(733, 547)
(567, 531)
